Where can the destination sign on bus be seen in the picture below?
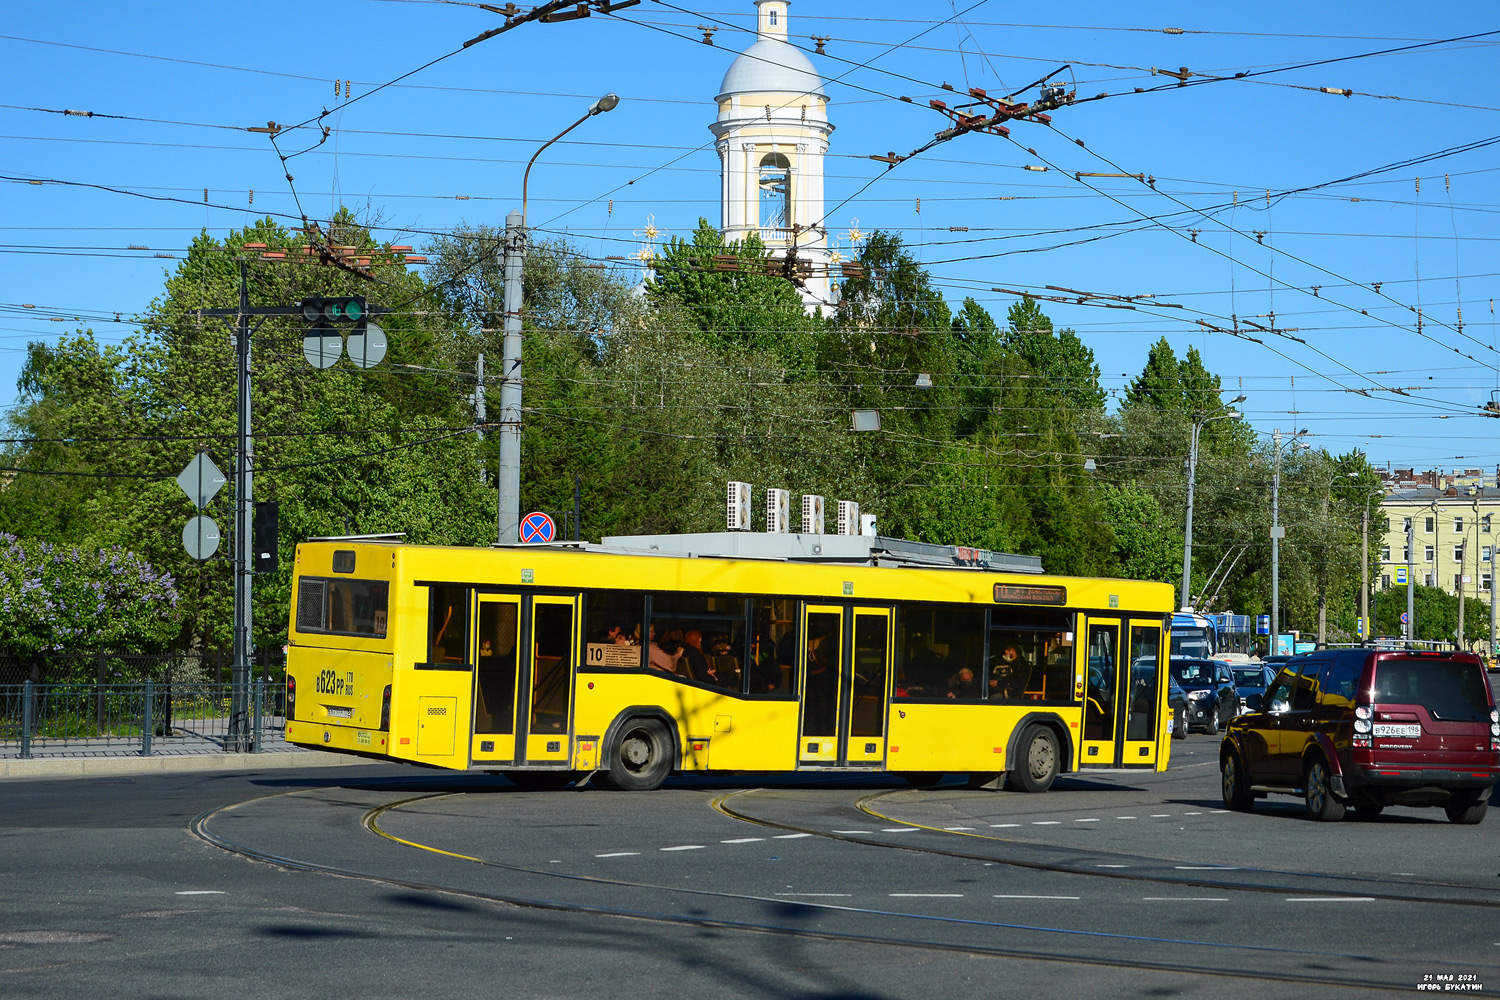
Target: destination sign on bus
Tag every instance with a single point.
(1020, 593)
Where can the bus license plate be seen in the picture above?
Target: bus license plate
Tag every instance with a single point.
(1397, 729)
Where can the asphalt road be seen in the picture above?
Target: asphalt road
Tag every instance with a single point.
(395, 882)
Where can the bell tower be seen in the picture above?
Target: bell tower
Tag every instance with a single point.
(772, 133)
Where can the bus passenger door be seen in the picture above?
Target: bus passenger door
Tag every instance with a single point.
(546, 715)
(866, 679)
(823, 641)
(497, 659)
(1142, 706)
(1106, 674)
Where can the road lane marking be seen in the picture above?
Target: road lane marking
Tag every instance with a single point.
(1192, 814)
(1046, 822)
(200, 892)
(1085, 821)
(1205, 868)
(1111, 866)
(835, 831)
(955, 829)
(840, 894)
(790, 836)
(619, 854)
(1160, 815)
(1124, 817)
(742, 840)
(998, 826)
(1330, 899)
(900, 829)
(1215, 812)
(684, 847)
(1000, 896)
(1185, 899)
(927, 895)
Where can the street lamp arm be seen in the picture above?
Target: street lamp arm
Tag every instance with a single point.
(525, 177)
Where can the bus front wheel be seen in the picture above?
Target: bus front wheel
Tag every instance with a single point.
(1038, 761)
(641, 758)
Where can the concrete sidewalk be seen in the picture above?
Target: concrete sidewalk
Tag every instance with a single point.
(63, 767)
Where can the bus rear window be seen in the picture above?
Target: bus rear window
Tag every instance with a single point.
(342, 606)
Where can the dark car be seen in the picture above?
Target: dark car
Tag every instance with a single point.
(1275, 662)
(1369, 728)
(1211, 700)
(1250, 683)
(1177, 704)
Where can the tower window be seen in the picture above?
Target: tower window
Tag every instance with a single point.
(775, 191)
(772, 15)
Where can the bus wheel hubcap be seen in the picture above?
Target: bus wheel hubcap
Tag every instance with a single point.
(636, 751)
(1040, 758)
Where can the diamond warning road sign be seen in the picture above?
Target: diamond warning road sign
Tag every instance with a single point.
(201, 480)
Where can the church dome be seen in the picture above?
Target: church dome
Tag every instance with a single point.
(771, 66)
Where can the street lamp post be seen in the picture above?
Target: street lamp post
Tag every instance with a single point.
(1187, 540)
(508, 498)
(1277, 534)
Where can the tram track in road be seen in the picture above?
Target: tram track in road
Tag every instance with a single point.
(201, 827)
(1119, 872)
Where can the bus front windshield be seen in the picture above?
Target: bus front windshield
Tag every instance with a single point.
(1191, 643)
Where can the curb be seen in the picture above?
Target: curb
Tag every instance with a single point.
(77, 767)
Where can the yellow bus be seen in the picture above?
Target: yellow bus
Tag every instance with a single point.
(550, 663)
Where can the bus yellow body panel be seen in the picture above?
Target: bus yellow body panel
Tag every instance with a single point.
(496, 659)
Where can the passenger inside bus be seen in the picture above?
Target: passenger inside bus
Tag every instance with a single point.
(963, 685)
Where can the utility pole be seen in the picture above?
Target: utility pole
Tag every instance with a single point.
(1463, 564)
(1276, 534)
(508, 494)
(244, 571)
(1411, 577)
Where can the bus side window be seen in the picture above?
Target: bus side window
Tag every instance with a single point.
(448, 626)
(612, 629)
(772, 670)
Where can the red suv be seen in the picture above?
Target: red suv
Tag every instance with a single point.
(1368, 728)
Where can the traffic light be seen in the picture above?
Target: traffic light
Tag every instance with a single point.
(323, 342)
(264, 528)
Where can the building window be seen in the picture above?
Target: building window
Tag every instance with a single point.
(1406, 553)
(1426, 579)
(1428, 554)
(1385, 581)
(1385, 553)
(1458, 553)
(1484, 581)
(1428, 523)
(1387, 527)
(771, 19)
(1458, 525)
(1458, 581)
(1484, 554)
(1484, 523)
(1406, 525)
(775, 191)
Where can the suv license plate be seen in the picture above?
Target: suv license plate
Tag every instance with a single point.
(1392, 729)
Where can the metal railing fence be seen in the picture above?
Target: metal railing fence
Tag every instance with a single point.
(92, 719)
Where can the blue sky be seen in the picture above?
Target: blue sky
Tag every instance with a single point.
(448, 146)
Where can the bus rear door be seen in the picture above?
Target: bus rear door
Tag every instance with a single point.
(547, 677)
(1123, 693)
(496, 671)
(846, 686)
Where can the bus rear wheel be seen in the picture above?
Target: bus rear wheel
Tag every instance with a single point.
(1038, 760)
(641, 757)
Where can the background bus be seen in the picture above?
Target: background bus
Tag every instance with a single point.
(1193, 636)
(550, 662)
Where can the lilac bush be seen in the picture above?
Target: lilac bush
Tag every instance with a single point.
(61, 597)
